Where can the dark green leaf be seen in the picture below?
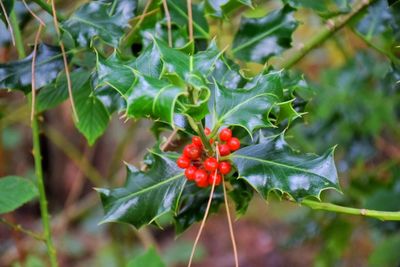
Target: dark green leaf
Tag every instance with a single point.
(111, 99)
(324, 8)
(223, 8)
(273, 165)
(148, 259)
(93, 116)
(14, 192)
(54, 94)
(241, 194)
(258, 39)
(178, 10)
(18, 74)
(145, 195)
(94, 19)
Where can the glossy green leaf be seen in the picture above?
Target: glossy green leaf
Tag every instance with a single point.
(258, 39)
(324, 8)
(178, 10)
(223, 8)
(148, 259)
(95, 19)
(146, 195)
(247, 108)
(14, 192)
(273, 165)
(17, 75)
(92, 114)
(54, 94)
(241, 194)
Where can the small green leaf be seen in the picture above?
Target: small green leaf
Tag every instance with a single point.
(273, 165)
(94, 19)
(93, 116)
(223, 8)
(148, 259)
(14, 192)
(17, 75)
(54, 94)
(258, 39)
(178, 10)
(324, 8)
(146, 195)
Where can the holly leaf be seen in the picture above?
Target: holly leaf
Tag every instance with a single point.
(92, 114)
(324, 8)
(247, 108)
(149, 259)
(224, 8)
(14, 192)
(146, 195)
(273, 165)
(258, 39)
(95, 19)
(17, 75)
(55, 93)
(178, 10)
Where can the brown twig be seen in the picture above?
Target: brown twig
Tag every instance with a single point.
(33, 13)
(169, 26)
(190, 20)
(228, 215)
(10, 28)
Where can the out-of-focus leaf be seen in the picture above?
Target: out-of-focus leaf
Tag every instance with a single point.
(223, 8)
(95, 19)
(17, 75)
(53, 94)
(258, 39)
(148, 259)
(386, 253)
(14, 192)
(241, 194)
(93, 116)
(178, 10)
(146, 195)
(273, 165)
(8, 6)
(324, 8)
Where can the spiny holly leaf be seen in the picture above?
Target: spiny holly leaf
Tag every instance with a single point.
(258, 39)
(111, 99)
(150, 97)
(204, 61)
(324, 8)
(194, 203)
(273, 165)
(55, 93)
(247, 108)
(17, 75)
(93, 116)
(146, 195)
(95, 19)
(124, 8)
(14, 192)
(223, 8)
(178, 10)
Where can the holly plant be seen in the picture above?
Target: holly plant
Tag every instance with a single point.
(220, 128)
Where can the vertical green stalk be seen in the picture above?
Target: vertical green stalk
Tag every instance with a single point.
(36, 155)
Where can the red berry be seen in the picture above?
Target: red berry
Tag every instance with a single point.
(211, 141)
(190, 173)
(191, 151)
(225, 134)
(224, 167)
(214, 178)
(224, 150)
(201, 178)
(211, 164)
(233, 143)
(183, 162)
(207, 131)
(197, 141)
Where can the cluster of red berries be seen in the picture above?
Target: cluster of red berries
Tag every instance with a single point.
(205, 170)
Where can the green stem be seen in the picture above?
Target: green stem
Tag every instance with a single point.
(37, 157)
(47, 7)
(332, 27)
(381, 215)
(19, 228)
(204, 139)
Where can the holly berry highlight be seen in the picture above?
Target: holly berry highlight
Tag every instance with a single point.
(205, 170)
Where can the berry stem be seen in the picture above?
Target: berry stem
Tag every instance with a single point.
(204, 139)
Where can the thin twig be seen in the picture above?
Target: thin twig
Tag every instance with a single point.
(10, 28)
(203, 222)
(67, 74)
(169, 139)
(33, 13)
(33, 104)
(19, 228)
(168, 18)
(228, 215)
(190, 20)
(130, 35)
